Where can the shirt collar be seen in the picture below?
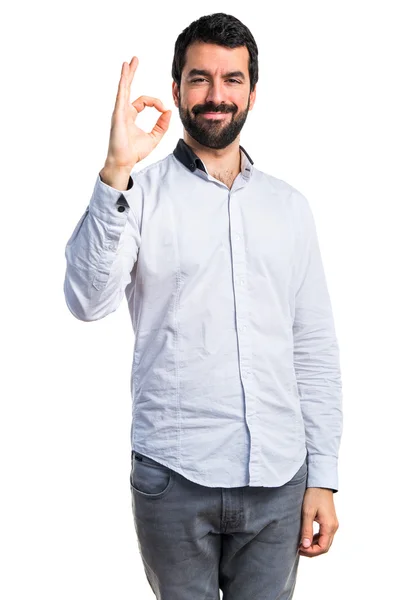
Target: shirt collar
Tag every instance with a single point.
(184, 153)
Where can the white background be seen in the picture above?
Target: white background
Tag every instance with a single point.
(326, 120)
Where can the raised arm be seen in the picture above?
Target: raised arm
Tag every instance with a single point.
(103, 247)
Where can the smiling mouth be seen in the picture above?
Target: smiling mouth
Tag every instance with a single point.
(214, 115)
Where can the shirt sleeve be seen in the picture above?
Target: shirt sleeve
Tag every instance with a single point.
(316, 356)
(102, 251)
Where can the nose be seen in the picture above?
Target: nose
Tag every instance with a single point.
(215, 93)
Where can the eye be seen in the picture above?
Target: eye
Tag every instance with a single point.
(202, 79)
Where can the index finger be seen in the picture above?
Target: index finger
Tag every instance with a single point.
(143, 101)
(124, 87)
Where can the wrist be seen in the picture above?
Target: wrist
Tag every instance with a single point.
(115, 177)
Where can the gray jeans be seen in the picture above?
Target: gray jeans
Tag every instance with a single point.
(196, 540)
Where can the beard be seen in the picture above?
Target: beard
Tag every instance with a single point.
(212, 133)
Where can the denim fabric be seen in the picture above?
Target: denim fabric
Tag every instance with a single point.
(195, 540)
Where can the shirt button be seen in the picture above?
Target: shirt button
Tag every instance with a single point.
(121, 208)
(242, 282)
(238, 237)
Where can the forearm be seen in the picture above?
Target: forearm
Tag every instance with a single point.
(101, 253)
(316, 360)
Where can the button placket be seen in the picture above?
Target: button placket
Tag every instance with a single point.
(239, 267)
(240, 286)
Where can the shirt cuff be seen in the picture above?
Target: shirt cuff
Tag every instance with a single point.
(106, 199)
(323, 472)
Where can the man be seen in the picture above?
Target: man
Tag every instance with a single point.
(236, 383)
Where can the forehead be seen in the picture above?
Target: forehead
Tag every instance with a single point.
(215, 58)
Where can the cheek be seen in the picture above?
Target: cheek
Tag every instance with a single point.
(241, 100)
(193, 97)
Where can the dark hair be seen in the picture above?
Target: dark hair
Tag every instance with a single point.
(218, 28)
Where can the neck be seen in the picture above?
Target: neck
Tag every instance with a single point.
(226, 161)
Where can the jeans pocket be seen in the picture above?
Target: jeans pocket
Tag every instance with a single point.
(150, 478)
(300, 476)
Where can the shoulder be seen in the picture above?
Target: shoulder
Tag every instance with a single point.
(281, 188)
(153, 170)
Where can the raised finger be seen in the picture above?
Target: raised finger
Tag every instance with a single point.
(124, 86)
(131, 72)
(143, 101)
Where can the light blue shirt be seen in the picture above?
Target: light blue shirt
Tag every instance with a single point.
(235, 376)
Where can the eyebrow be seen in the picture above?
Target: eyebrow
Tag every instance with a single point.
(204, 72)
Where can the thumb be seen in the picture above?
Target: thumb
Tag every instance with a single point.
(161, 126)
(307, 532)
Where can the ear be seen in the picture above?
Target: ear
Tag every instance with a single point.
(253, 97)
(175, 93)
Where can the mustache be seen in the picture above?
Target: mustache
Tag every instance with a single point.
(205, 108)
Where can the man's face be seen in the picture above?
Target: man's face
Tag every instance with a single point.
(213, 103)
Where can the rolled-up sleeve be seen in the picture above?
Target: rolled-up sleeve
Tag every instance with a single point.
(102, 251)
(316, 356)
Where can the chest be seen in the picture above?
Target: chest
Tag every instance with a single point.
(194, 233)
